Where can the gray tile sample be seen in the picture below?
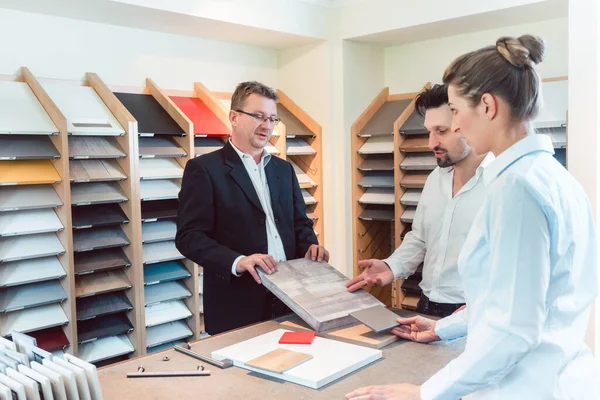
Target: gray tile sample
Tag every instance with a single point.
(381, 196)
(85, 217)
(166, 333)
(165, 292)
(378, 318)
(165, 272)
(108, 325)
(159, 231)
(411, 197)
(96, 147)
(16, 147)
(377, 215)
(33, 295)
(159, 147)
(29, 222)
(102, 304)
(413, 125)
(160, 252)
(377, 179)
(83, 194)
(30, 271)
(152, 118)
(99, 238)
(377, 145)
(30, 197)
(100, 260)
(408, 215)
(298, 147)
(382, 123)
(317, 293)
(377, 162)
(15, 248)
(419, 162)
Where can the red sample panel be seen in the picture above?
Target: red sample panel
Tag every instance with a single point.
(50, 339)
(297, 338)
(205, 121)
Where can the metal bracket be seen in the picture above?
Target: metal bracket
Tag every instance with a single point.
(143, 374)
(226, 363)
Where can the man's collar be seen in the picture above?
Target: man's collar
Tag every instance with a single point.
(264, 158)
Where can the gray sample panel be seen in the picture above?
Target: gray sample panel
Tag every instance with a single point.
(85, 217)
(28, 222)
(419, 162)
(377, 318)
(377, 215)
(378, 179)
(409, 215)
(317, 293)
(159, 231)
(207, 145)
(16, 147)
(382, 123)
(32, 197)
(32, 319)
(411, 197)
(102, 304)
(413, 125)
(33, 295)
(99, 238)
(81, 147)
(161, 189)
(377, 163)
(165, 292)
(96, 193)
(160, 252)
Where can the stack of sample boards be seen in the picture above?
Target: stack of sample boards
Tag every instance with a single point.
(167, 283)
(28, 372)
(32, 215)
(302, 145)
(99, 242)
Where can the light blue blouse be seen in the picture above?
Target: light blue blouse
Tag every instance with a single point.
(529, 269)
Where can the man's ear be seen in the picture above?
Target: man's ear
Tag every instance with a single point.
(233, 117)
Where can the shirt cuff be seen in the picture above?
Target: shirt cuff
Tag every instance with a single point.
(234, 265)
(394, 268)
(451, 327)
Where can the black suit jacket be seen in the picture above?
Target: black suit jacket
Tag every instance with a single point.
(220, 218)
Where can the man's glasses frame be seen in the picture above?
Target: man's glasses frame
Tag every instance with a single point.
(259, 117)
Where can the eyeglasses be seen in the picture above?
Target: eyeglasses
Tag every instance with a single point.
(262, 118)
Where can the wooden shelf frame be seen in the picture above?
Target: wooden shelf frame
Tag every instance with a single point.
(63, 189)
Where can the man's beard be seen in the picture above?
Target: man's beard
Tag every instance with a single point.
(449, 161)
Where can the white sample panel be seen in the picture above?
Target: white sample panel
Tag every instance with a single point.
(28, 222)
(411, 197)
(30, 271)
(308, 198)
(408, 215)
(159, 189)
(21, 112)
(298, 147)
(32, 319)
(85, 111)
(83, 387)
(331, 359)
(303, 178)
(16, 248)
(272, 149)
(167, 311)
(56, 379)
(165, 333)
(378, 196)
(92, 375)
(159, 231)
(13, 198)
(160, 168)
(15, 386)
(105, 348)
(159, 252)
(378, 145)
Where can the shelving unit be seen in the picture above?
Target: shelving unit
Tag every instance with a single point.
(36, 280)
(165, 143)
(382, 164)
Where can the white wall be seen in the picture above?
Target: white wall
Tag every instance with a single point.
(63, 48)
(408, 67)
(584, 117)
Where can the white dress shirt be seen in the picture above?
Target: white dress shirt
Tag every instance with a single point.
(529, 272)
(439, 229)
(259, 181)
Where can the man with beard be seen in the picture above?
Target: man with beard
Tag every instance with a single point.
(240, 208)
(450, 200)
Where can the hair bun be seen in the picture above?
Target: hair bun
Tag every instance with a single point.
(526, 51)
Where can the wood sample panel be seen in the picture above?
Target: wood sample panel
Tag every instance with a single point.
(279, 360)
(28, 172)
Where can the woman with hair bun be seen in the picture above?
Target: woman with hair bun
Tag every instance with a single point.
(529, 262)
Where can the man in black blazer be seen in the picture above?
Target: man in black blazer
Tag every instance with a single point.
(239, 208)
